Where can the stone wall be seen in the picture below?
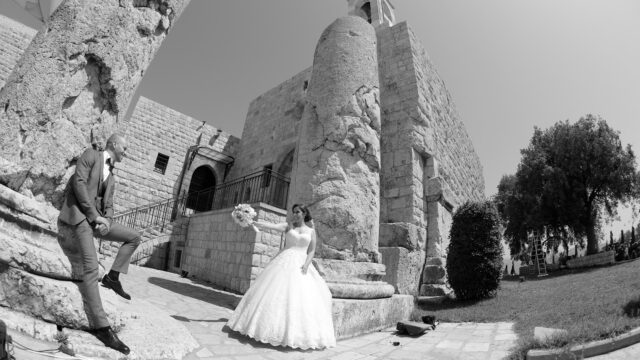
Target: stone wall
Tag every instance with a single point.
(271, 128)
(420, 123)
(220, 251)
(603, 258)
(157, 129)
(429, 165)
(14, 39)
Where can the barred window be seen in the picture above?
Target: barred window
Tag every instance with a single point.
(161, 163)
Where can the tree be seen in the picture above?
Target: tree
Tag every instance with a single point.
(568, 175)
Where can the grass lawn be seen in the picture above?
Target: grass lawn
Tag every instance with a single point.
(588, 303)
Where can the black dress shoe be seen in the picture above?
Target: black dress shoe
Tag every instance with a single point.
(115, 285)
(109, 338)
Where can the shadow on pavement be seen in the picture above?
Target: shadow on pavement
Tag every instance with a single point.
(186, 319)
(210, 295)
(243, 339)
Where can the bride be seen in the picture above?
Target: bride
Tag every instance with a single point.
(289, 304)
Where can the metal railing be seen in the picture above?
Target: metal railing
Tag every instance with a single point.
(263, 186)
(157, 214)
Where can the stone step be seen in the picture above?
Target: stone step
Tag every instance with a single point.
(425, 300)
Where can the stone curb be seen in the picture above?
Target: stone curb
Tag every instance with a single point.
(589, 349)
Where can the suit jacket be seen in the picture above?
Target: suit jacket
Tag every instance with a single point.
(82, 199)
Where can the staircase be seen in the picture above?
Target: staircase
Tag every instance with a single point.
(538, 256)
(156, 222)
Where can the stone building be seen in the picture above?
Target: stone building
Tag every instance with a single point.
(14, 37)
(373, 144)
(428, 165)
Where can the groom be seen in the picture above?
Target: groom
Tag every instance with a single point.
(86, 211)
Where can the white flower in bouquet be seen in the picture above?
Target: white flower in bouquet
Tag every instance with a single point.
(243, 215)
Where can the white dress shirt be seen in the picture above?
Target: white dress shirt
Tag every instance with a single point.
(105, 167)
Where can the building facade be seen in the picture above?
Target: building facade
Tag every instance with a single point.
(427, 165)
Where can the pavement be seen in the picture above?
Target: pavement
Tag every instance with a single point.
(204, 310)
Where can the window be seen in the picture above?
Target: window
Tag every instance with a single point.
(177, 259)
(161, 163)
(366, 8)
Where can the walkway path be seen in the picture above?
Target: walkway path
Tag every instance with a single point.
(204, 311)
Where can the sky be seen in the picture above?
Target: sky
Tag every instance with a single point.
(509, 65)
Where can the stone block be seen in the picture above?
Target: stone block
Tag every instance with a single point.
(143, 320)
(402, 269)
(434, 274)
(54, 301)
(356, 317)
(359, 289)
(402, 234)
(434, 290)
(338, 269)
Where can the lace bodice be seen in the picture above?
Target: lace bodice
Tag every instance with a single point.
(297, 240)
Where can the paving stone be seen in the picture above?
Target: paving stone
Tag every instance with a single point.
(202, 353)
(448, 344)
(469, 347)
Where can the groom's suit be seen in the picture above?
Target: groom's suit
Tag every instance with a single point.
(89, 195)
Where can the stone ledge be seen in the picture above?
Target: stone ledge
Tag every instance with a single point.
(590, 349)
(354, 289)
(422, 300)
(356, 317)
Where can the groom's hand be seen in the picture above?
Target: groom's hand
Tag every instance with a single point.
(304, 269)
(102, 229)
(102, 225)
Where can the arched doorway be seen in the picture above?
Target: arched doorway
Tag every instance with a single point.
(203, 178)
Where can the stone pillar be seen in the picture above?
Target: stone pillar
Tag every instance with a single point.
(439, 217)
(338, 160)
(73, 85)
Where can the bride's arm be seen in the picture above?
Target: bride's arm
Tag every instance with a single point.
(281, 227)
(311, 251)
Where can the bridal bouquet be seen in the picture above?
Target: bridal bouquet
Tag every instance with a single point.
(243, 215)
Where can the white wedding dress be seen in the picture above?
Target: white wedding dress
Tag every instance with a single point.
(285, 307)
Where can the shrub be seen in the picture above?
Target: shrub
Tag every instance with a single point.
(474, 261)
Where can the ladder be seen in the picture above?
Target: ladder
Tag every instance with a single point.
(539, 255)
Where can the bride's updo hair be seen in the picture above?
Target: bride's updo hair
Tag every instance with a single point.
(305, 211)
